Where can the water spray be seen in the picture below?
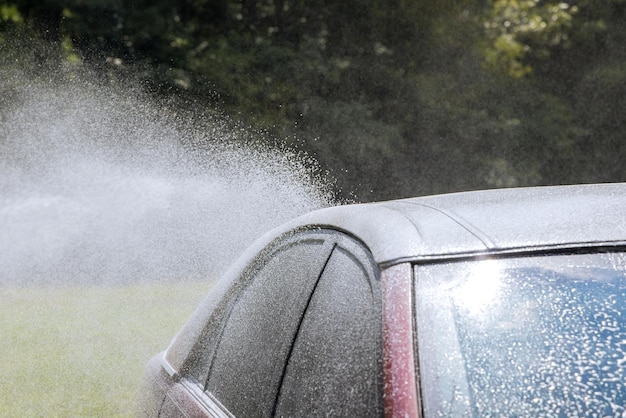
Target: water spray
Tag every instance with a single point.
(101, 184)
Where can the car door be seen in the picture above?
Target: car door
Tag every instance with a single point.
(249, 360)
(318, 288)
(239, 359)
(335, 367)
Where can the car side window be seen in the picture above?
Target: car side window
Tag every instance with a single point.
(335, 367)
(250, 357)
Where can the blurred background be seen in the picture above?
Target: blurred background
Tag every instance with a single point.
(392, 98)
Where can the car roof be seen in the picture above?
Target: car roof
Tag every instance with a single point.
(478, 222)
(452, 226)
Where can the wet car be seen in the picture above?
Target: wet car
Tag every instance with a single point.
(507, 302)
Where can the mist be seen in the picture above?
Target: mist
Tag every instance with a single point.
(100, 183)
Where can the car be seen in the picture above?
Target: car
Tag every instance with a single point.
(508, 302)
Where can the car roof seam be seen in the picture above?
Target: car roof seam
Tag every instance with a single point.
(573, 247)
(487, 241)
(405, 216)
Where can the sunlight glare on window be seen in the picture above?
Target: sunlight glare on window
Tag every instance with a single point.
(481, 289)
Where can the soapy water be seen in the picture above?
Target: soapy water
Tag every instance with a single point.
(101, 184)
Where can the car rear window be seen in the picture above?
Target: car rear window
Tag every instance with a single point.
(532, 336)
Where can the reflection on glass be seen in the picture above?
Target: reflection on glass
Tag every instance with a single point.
(480, 291)
(535, 336)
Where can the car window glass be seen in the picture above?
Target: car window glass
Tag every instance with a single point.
(251, 354)
(335, 367)
(523, 336)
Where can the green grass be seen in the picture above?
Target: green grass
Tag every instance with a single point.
(80, 351)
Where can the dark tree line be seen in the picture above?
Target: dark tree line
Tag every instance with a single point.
(394, 97)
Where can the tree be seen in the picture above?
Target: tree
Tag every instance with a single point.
(394, 98)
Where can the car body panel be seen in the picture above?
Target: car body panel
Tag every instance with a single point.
(188, 398)
(400, 389)
(156, 381)
(467, 223)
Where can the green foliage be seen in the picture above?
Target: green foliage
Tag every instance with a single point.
(393, 97)
(9, 13)
(520, 28)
